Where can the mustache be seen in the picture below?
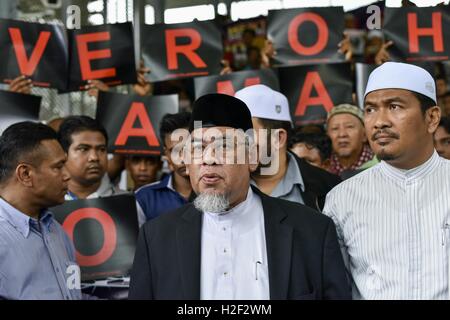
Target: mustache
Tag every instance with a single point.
(385, 132)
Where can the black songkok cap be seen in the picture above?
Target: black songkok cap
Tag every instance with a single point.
(221, 110)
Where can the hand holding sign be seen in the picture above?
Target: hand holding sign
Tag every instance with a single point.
(21, 84)
(383, 55)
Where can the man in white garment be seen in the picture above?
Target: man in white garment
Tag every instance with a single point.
(393, 220)
(234, 242)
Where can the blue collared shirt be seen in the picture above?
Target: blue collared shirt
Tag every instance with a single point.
(157, 198)
(35, 257)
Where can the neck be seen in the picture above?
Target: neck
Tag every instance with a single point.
(411, 162)
(16, 199)
(182, 185)
(83, 191)
(266, 183)
(347, 162)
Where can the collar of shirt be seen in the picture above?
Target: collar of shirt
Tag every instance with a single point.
(233, 213)
(412, 174)
(170, 183)
(105, 189)
(292, 178)
(21, 221)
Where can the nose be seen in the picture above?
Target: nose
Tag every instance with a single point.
(93, 155)
(382, 120)
(342, 132)
(65, 174)
(209, 157)
(142, 165)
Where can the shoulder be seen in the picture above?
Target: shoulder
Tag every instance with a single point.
(167, 222)
(358, 181)
(298, 215)
(310, 173)
(151, 187)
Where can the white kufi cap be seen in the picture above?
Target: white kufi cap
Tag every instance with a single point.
(397, 75)
(265, 103)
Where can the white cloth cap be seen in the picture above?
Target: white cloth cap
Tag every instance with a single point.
(397, 75)
(265, 103)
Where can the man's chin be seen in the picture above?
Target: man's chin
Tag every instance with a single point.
(384, 155)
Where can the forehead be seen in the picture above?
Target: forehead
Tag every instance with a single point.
(88, 137)
(343, 118)
(52, 151)
(383, 95)
(215, 133)
(441, 133)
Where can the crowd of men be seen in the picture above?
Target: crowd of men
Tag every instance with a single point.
(357, 208)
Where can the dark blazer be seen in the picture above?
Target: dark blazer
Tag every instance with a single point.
(303, 254)
(318, 183)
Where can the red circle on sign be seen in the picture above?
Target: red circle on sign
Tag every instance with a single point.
(322, 38)
(109, 232)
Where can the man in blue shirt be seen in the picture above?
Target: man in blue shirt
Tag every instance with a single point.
(174, 190)
(37, 259)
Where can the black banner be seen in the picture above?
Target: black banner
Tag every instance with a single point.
(132, 121)
(18, 107)
(309, 35)
(419, 34)
(181, 50)
(312, 90)
(103, 53)
(104, 232)
(230, 83)
(36, 50)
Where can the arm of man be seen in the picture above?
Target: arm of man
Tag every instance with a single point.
(141, 277)
(336, 285)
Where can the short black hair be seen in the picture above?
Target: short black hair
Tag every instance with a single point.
(425, 102)
(18, 143)
(320, 141)
(171, 122)
(445, 123)
(75, 124)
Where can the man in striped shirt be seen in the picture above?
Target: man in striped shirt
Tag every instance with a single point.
(393, 220)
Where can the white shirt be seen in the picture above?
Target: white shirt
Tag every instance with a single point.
(391, 227)
(234, 254)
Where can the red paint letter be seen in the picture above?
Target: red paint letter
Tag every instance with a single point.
(322, 38)
(109, 232)
(27, 67)
(313, 80)
(85, 56)
(226, 87)
(188, 49)
(414, 32)
(137, 110)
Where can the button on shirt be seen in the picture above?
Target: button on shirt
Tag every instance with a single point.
(291, 186)
(234, 255)
(35, 257)
(393, 228)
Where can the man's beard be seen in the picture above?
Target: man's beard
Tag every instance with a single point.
(211, 202)
(385, 156)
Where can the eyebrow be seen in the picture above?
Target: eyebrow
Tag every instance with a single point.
(90, 145)
(387, 100)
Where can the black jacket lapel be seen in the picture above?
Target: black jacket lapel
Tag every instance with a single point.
(279, 247)
(189, 246)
